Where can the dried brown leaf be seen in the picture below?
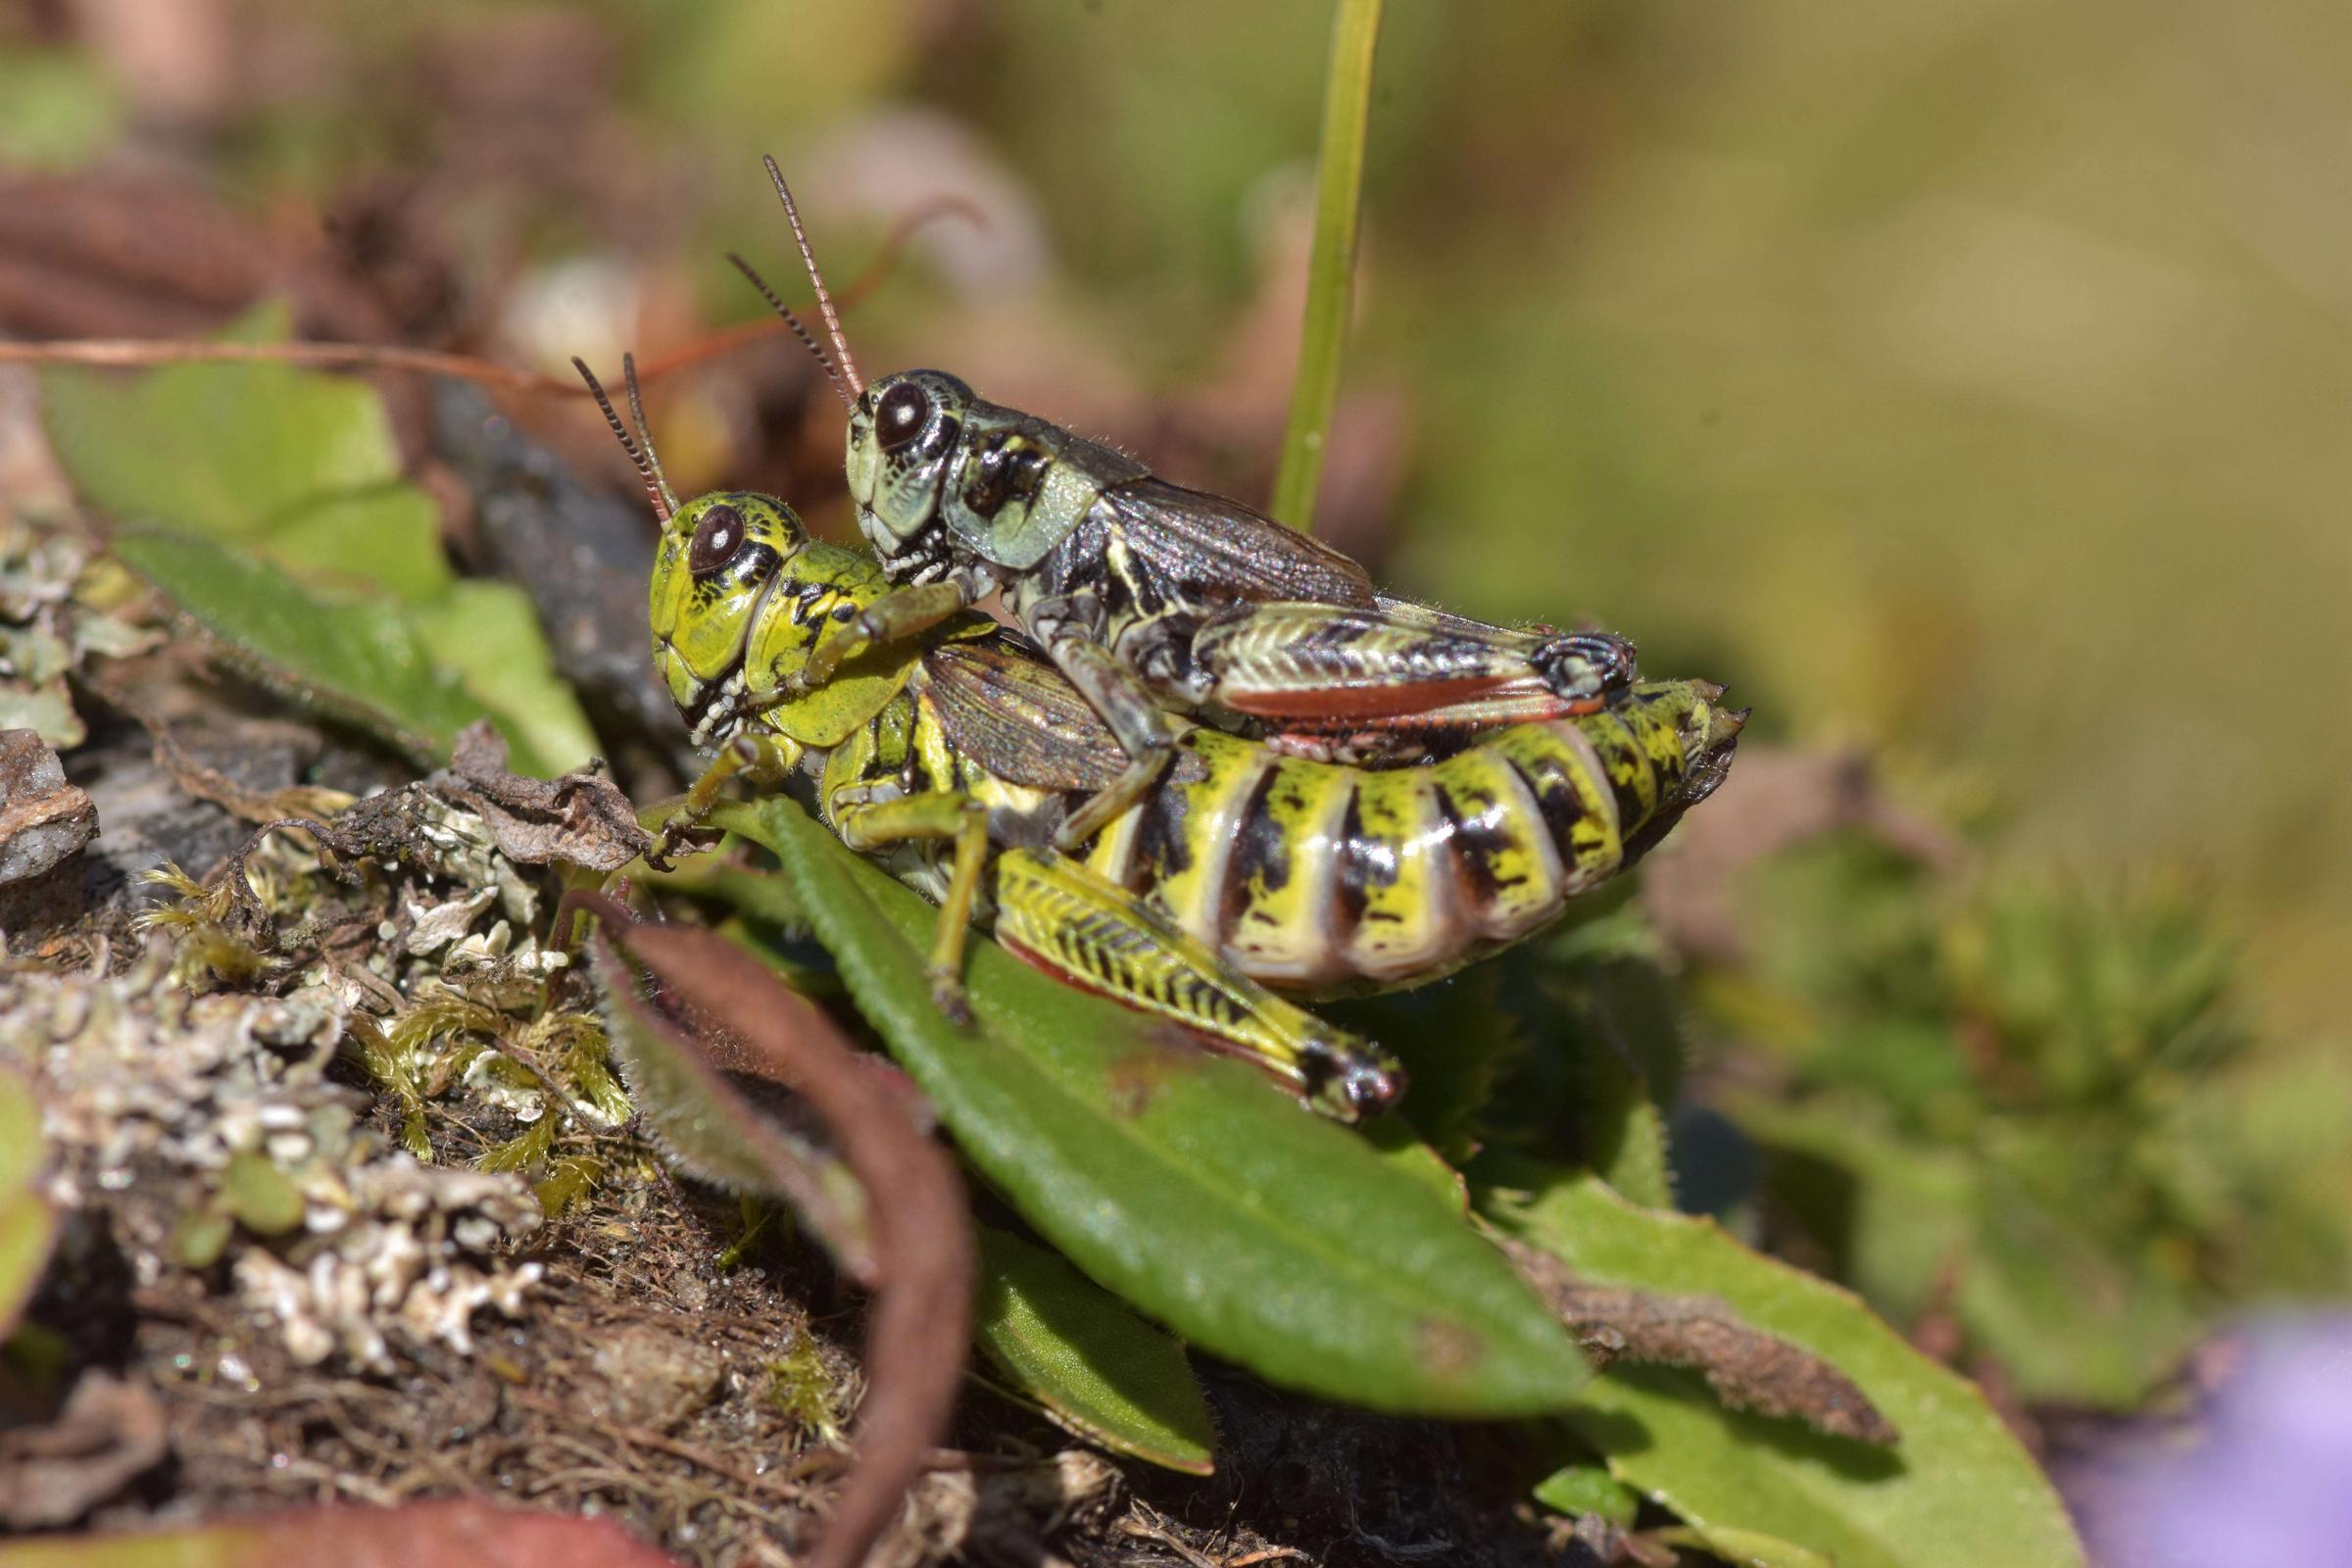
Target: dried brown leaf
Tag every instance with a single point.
(1747, 1368)
(581, 817)
(921, 1325)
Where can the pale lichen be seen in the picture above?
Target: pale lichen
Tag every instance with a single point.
(152, 1096)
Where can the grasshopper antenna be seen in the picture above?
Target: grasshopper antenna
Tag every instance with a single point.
(654, 490)
(645, 429)
(840, 388)
(824, 300)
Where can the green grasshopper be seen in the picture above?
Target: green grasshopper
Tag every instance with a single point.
(954, 756)
(1155, 601)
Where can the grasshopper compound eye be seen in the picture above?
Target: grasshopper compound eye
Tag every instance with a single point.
(905, 411)
(717, 539)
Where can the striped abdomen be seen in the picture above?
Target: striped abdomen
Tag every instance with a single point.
(1322, 878)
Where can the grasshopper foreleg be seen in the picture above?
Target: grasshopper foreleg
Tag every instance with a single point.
(896, 616)
(760, 755)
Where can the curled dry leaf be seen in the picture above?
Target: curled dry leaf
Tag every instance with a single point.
(581, 817)
(44, 819)
(713, 1130)
(1747, 1368)
(922, 1235)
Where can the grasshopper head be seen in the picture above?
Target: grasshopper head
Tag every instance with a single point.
(903, 437)
(741, 597)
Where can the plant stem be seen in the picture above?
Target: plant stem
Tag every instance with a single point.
(1330, 270)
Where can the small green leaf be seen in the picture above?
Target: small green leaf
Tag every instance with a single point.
(202, 1236)
(1181, 1180)
(1589, 1489)
(301, 467)
(361, 662)
(1453, 1039)
(27, 1224)
(263, 1198)
(1094, 1365)
(1957, 1492)
(297, 462)
(1625, 1132)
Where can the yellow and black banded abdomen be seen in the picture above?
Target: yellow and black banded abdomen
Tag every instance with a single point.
(1320, 878)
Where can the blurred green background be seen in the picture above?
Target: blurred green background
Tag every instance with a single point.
(1962, 381)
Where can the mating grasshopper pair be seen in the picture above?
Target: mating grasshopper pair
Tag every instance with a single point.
(957, 757)
(1060, 787)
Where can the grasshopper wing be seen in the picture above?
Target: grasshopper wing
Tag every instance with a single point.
(1005, 707)
(1400, 664)
(1218, 549)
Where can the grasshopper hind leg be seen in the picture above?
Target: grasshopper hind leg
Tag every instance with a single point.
(1070, 921)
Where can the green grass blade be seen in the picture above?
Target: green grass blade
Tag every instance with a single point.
(1331, 271)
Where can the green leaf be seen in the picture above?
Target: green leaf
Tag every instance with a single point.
(360, 661)
(201, 1236)
(263, 1198)
(1957, 1492)
(1181, 1180)
(297, 462)
(27, 1224)
(1095, 1366)
(489, 634)
(301, 467)
(1626, 1135)
(1453, 1039)
(2073, 1305)
(1587, 1489)
(1749, 1549)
